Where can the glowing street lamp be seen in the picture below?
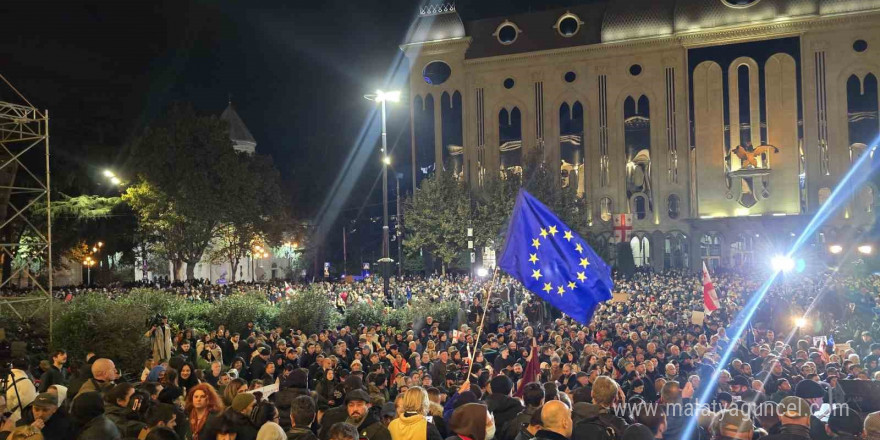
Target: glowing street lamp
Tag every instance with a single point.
(88, 263)
(109, 174)
(865, 249)
(381, 97)
(482, 272)
(835, 249)
(800, 322)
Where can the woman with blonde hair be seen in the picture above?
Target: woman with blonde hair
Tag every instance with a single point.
(412, 423)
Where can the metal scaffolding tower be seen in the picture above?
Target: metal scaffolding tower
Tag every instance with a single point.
(24, 189)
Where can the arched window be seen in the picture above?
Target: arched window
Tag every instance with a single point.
(742, 251)
(605, 209)
(510, 135)
(641, 249)
(639, 207)
(672, 205)
(710, 249)
(675, 253)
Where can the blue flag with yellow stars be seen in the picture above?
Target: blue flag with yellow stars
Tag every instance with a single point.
(554, 262)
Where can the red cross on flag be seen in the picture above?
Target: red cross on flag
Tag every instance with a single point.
(710, 299)
(622, 227)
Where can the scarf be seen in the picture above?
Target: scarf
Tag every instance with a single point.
(196, 424)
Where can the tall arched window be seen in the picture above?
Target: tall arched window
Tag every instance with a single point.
(675, 253)
(572, 146)
(641, 249)
(453, 145)
(637, 137)
(423, 121)
(862, 107)
(710, 249)
(606, 209)
(510, 137)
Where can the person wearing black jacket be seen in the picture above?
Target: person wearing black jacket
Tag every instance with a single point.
(54, 423)
(369, 426)
(556, 422)
(533, 397)
(339, 413)
(504, 407)
(258, 364)
(55, 375)
(237, 416)
(88, 416)
(302, 414)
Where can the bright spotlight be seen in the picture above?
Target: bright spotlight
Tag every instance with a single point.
(835, 249)
(392, 96)
(482, 272)
(386, 160)
(781, 263)
(865, 249)
(800, 322)
(115, 180)
(108, 173)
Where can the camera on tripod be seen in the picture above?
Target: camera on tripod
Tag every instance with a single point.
(156, 320)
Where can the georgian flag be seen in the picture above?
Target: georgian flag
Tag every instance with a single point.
(710, 299)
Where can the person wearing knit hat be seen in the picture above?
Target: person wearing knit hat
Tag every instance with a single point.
(271, 431)
(244, 403)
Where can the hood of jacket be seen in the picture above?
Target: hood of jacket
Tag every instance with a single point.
(412, 427)
(503, 403)
(87, 406)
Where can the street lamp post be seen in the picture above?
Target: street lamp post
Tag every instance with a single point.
(381, 97)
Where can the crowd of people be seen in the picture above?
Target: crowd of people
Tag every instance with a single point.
(511, 368)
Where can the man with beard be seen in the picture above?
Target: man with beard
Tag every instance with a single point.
(358, 404)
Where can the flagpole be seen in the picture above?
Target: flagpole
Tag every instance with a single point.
(482, 322)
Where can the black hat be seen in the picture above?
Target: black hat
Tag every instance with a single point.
(358, 394)
(844, 420)
(263, 351)
(741, 381)
(807, 389)
(724, 397)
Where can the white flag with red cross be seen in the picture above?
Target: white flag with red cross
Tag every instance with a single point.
(622, 228)
(710, 299)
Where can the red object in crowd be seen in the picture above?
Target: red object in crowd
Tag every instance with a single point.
(710, 299)
(530, 374)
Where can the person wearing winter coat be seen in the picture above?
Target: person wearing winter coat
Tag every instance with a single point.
(116, 409)
(413, 423)
(88, 416)
(329, 388)
(504, 407)
(45, 414)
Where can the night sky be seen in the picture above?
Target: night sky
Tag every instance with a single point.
(296, 72)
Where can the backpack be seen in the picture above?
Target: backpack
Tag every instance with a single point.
(601, 427)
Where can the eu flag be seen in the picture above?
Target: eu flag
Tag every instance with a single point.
(554, 262)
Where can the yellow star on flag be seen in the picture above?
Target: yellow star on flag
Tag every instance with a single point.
(535, 243)
(561, 290)
(579, 248)
(584, 263)
(533, 258)
(543, 233)
(536, 274)
(571, 285)
(582, 277)
(547, 287)
(553, 230)
(568, 235)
